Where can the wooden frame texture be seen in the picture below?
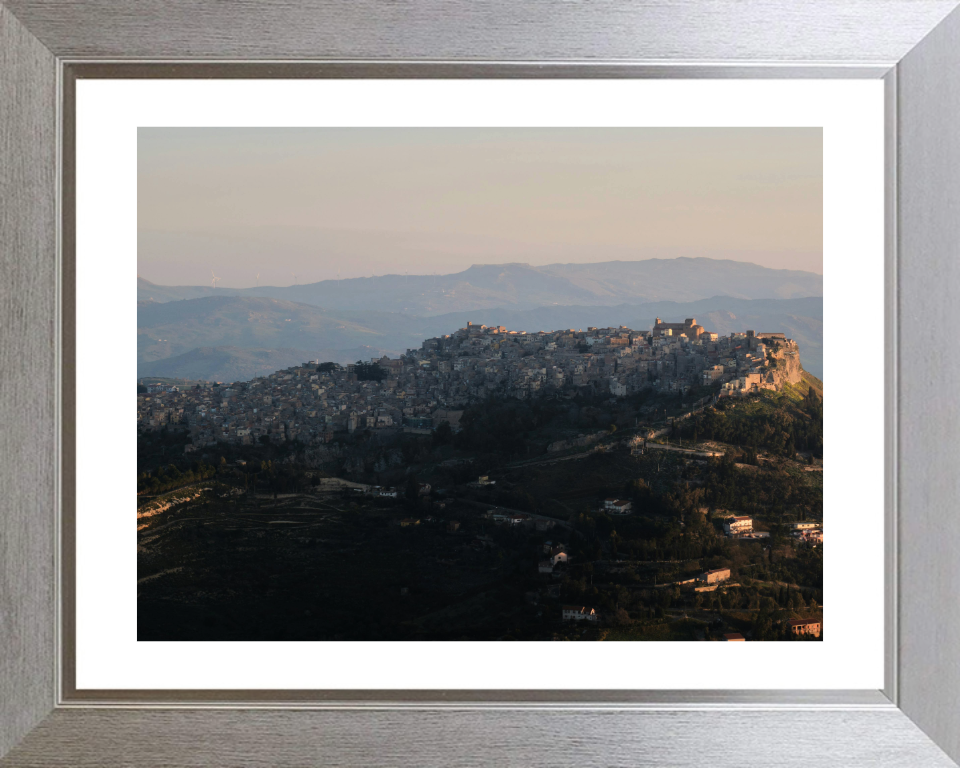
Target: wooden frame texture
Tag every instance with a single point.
(914, 45)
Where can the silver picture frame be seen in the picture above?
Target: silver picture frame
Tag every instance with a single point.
(912, 45)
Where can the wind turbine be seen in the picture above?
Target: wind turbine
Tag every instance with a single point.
(213, 282)
(258, 279)
(295, 279)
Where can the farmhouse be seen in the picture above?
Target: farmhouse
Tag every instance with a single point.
(617, 507)
(737, 524)
(715, 576)
(579, 613)
(804, 627)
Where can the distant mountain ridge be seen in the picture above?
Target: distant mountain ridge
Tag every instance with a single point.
(521, 286)
(170, 329)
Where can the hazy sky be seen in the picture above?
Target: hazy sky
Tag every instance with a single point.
(309, 202)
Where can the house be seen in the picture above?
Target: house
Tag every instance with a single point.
(545, 566)
(452, 526)
(803, 526)
(737, 524)
(712, 374)
(734, 637)
(715, 576)
(809, 537)
(409, 521)
(388, 493)
(617, 507)
(804, 627)
(580, 613)
(558, 555)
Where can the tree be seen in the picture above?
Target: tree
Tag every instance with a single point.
(412, 491)
(443, 434)
(812, 404)
(620, 618)
(369, 371)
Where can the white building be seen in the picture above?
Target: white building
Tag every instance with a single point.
(617, 506)
(715, 576)
(734, 526)
(580, 613)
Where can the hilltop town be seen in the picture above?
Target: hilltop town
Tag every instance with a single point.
(313, 402)
(594, 484)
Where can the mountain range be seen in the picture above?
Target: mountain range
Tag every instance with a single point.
(521, 287)
(201, 332)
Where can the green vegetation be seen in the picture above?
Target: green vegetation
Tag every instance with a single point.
(773, 493)
(778, 422)
(278, 549)
(170, 478)
(369, 371)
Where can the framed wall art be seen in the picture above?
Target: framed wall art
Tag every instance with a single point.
(489, 363)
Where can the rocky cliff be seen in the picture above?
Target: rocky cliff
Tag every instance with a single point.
(784, 364)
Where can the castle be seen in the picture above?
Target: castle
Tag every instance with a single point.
(688, 328)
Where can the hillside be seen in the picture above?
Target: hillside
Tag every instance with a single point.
(688, 279)
(808, 381)
(236, 364)
(170, 329)
(223, 363)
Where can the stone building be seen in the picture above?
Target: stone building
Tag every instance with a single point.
(688, 327)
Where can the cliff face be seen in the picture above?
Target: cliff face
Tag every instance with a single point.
(787, 368)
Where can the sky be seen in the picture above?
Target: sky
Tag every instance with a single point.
(278, 206)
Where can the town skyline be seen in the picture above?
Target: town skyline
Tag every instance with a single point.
(314, 400)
